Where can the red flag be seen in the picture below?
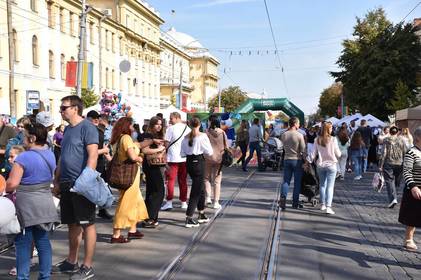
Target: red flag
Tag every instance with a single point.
(71, 69)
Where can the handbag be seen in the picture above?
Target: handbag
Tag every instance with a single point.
(227, 158)
(160, 158)
(121, 174)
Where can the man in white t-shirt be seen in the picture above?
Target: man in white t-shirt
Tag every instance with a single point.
(176, 164)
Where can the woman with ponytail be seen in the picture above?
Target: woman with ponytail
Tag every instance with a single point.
(194, 146)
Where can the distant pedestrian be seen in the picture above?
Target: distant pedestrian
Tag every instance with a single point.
(242, 141)
(367, 137)
(195, 146)
(57, 138)
(176, 164)
(213, 174)
(391, 161)
(295, 152)
(310, 137)
(407, 138)
(410, 211)
(343, 143)
(79, 149)
(327, 151)
(105, 123)
(255, 137)
(131, 207)
(357, 154)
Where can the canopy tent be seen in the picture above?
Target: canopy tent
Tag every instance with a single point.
(333, 120)
(348, 119)
(166, 112)
(372, 121)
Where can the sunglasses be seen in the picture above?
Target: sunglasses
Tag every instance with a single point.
(64, 108)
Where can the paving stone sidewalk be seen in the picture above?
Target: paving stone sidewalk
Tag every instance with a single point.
(364, 240)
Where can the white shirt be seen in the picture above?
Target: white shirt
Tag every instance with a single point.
(173, 133)
(201, 145)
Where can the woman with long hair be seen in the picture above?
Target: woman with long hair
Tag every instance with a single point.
(357, 154)
(242, 141)
(131, 208)
(343, 142)
(327, 149)
(194, 146)
(155, 188)
(31, 176)
(213, 174)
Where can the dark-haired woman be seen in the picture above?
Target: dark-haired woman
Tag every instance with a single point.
(31, 176)
(357, 154)
(194, 146)
(213, 173)
(155, 188)
(343, 143)
(131, 207)
(242, 141)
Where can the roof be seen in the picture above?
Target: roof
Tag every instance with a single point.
(184, 39)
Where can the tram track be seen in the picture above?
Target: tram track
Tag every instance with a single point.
(269, 253)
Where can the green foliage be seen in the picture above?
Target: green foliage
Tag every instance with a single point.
(231, 98)
(330, 99)
(379, 66)
(89, 98)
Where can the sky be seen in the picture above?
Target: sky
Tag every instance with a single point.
(308, 35)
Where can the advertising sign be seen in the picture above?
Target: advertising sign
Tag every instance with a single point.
(32, 100)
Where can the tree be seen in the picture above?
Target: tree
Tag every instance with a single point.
(380, 56)
(231, 98)
(88, 97)
(330, 99)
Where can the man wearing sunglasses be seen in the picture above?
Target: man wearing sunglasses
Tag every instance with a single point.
(79, 149)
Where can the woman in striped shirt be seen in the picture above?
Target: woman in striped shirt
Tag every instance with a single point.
(410, 211)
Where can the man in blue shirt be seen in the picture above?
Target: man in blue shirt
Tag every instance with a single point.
(79, 149)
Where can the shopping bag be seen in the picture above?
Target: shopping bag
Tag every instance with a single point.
(378, 182)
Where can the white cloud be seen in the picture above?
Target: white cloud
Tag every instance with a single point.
(220, 2)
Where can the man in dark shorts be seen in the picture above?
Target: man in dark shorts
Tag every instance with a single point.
(79, 149)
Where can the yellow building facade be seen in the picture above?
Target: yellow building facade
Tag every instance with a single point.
(45, 36)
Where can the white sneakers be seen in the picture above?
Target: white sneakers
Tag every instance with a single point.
(392, 204)
(208, 201)
(184, 205)
(358, 177)
(167, 206)
(216, 205)
(330, 211)
(323, 208)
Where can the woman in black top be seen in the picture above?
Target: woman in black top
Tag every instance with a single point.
(155, 188)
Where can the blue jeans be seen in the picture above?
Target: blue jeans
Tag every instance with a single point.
(364, 160)
(327, 176)
(254, 146)
(23, 244)
(292, 166)
(356, 163)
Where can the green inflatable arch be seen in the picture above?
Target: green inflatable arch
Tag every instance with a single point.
(276, 104)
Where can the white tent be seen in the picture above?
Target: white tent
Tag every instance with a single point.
(348, 119)
(166, 112)
(372, 121)
(333, 120)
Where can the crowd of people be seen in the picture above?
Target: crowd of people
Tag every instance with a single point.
(35, 158)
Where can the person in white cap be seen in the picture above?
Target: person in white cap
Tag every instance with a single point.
(44, 118)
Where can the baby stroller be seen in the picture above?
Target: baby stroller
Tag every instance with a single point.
(310, 184)
(272, 154)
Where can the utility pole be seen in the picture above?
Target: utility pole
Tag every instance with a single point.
(12, 58)
(82, 45)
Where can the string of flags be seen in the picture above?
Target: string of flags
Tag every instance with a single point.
(250, 52)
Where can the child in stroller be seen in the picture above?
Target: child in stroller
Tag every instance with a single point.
(310, 184)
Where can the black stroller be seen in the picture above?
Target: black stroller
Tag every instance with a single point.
(310, 184)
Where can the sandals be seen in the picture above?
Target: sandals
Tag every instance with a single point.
(120, 239)
(135, 235)
(410, 245)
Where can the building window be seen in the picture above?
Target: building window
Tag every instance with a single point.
(15, 45)
(107, 45)
(120, 81)
(91, 32)
(61, 20)
(63, 66)
(127, 21)
(107, 80)
(51, 64)
(72, 24)
(121, 42)
(51, 16)
(35, 50)
(34, 5)
(113, 79)
(113, 42)
(129, 86)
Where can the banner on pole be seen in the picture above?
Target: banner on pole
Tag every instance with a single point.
(87, 74)
(71, 70)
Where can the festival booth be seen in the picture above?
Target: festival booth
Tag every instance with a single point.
(349, 119)
(372, 121)
(334, 121)
(409, 117)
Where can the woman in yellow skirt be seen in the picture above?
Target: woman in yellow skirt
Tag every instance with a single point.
(131, 207)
